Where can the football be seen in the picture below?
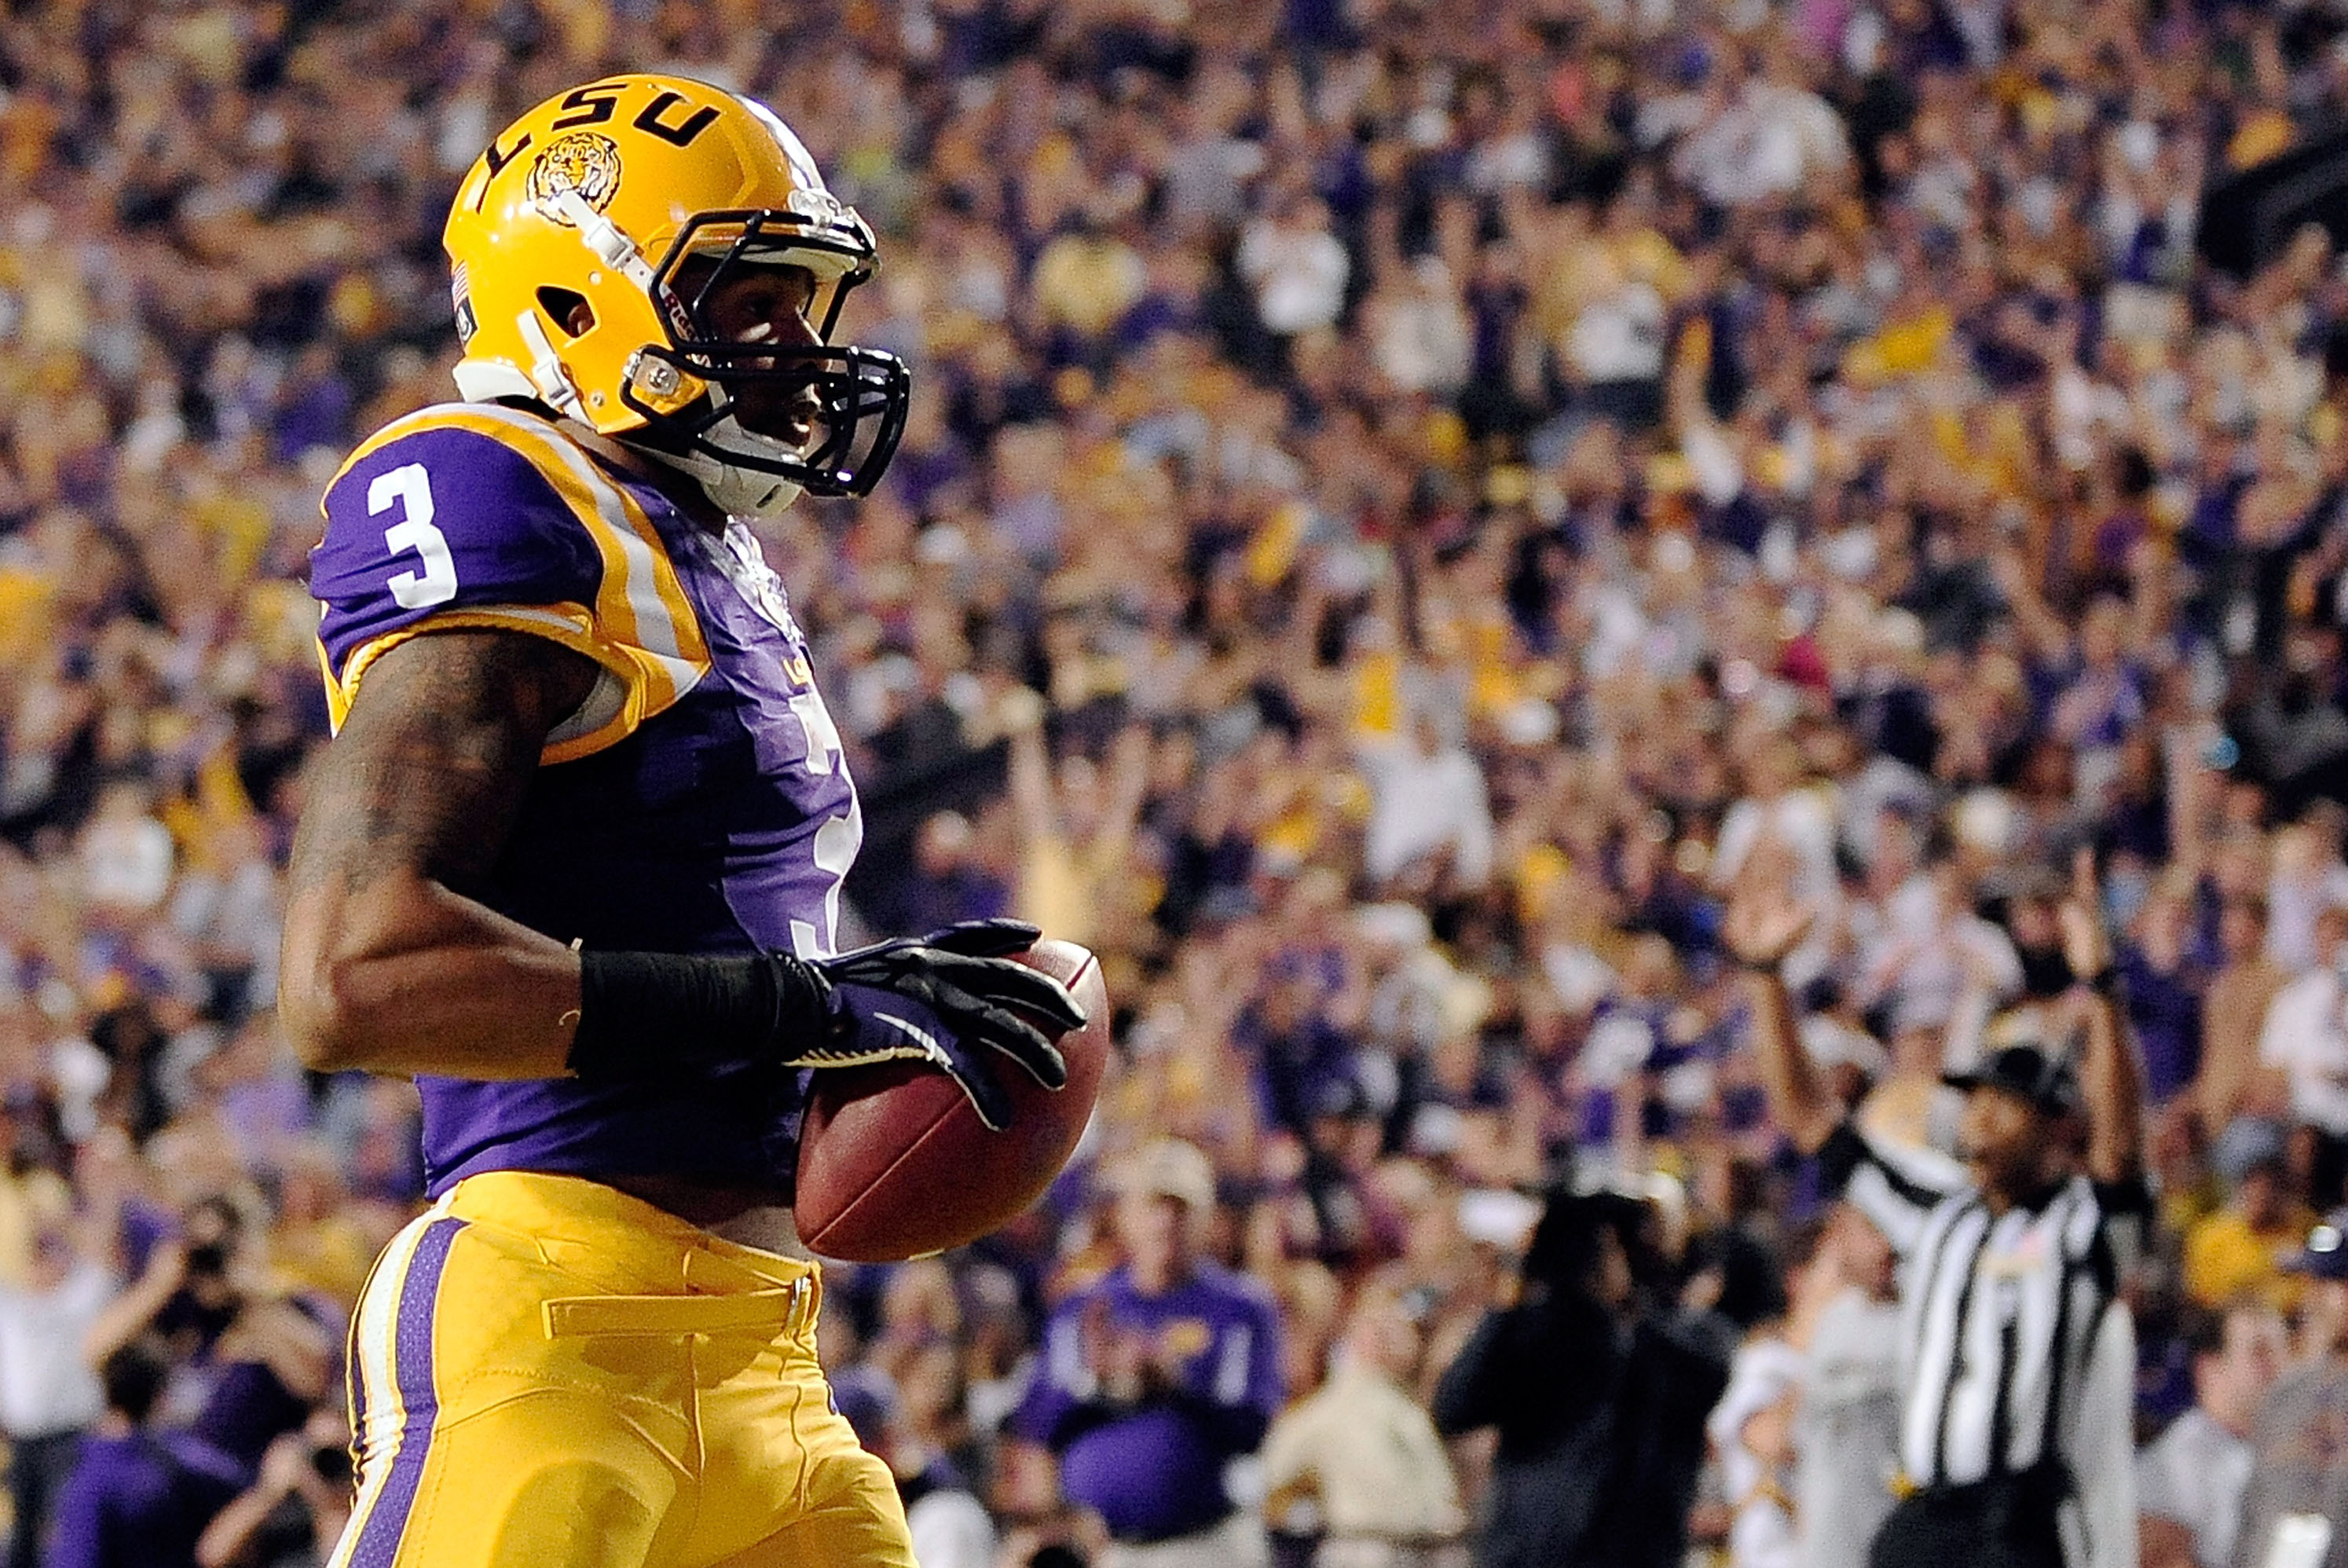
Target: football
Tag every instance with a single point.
(894, 1164)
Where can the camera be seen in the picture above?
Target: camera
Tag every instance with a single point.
(333, 1463)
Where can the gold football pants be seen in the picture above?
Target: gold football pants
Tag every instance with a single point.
(547, 1373)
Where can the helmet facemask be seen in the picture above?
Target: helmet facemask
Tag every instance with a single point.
(754, 421)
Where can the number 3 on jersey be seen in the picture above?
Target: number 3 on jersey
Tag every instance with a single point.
(411, 489)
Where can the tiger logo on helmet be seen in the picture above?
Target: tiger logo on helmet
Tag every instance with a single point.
(582, 244)
(581, 161)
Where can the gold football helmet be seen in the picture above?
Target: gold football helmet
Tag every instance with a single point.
(583, 245)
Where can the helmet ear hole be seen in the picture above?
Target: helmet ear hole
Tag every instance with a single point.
(567, 309)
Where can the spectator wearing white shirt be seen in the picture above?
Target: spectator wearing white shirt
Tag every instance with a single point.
(1421, 337)
(2308, 878)
(1846, 1432)
(1429, 811)
(1778, 810)
(48, 1392)
(1296, 267)
(2190, 1480)
(2306, 1035)
(1361, 1455)
(1768, 136)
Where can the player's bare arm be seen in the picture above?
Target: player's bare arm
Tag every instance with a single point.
(389, 966)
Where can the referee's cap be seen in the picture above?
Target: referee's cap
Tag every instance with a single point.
(2028, 1073)
(2325, 1256)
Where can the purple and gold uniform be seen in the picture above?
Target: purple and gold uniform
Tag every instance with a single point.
(698, 803)
(545, 1369)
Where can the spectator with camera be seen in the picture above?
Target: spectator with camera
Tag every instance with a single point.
(1598, 1391)
(249, 1363)
(293, 1515)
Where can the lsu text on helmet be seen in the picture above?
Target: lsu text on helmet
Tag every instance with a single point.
(583, 246)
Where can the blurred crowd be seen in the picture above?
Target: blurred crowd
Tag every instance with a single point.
(1409, 507)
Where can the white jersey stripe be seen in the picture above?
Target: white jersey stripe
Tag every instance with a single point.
(657, 631)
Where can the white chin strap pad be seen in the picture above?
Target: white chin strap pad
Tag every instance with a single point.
(736, 491)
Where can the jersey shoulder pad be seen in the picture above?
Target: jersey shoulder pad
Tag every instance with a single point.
(461, 507)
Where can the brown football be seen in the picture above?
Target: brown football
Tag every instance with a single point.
(894, 1164)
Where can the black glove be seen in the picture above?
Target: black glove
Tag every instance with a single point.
(938, 998)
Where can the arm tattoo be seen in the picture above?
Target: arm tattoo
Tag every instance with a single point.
(432, 764)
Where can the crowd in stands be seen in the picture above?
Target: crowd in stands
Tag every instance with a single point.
(1410, 507)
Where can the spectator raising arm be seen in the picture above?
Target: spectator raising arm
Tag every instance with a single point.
(128, 1315)
(2110, 1079)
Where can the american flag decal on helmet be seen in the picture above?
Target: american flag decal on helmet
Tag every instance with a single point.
(460, 295)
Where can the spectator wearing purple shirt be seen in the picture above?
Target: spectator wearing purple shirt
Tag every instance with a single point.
(136, 1499)
(1158, 1376)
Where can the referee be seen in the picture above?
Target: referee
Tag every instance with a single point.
(2017, 1357)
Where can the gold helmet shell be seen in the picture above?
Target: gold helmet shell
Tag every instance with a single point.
(565, 242)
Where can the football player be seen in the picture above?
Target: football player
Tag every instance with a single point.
(573, 861)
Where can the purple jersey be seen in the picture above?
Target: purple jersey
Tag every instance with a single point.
(696, 802)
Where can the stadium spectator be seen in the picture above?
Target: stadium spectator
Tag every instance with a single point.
(1752, 1428)
(1599, 1398)
(2234, 1079)
(2190, 1480)
(1154, 1378)
(1359, 1458)
(1847, 1429)
(48, 1393)
(2297, 1494)
(2306, 1035)
(2243, 1248)
(949, 1527)
(294, 1513)
(247, 1363)
(138, 1498)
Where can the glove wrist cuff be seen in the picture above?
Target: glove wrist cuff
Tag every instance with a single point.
(647, 1012)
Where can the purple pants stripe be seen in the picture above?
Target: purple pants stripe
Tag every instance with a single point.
(411, 1369)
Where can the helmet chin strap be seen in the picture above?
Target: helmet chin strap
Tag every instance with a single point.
(736, 491)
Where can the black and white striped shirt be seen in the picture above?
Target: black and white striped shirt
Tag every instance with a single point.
(1999, 1312)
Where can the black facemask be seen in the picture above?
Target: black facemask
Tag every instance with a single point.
(855, 397)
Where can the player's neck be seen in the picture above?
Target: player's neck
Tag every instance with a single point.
(674, 484)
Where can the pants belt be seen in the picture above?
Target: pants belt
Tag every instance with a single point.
(789, 1308)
